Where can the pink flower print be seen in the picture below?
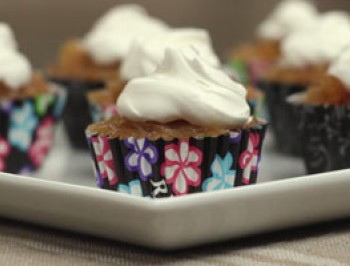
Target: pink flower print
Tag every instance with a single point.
(109, 111)
(43, 142)
(4, 152)
(105, 159)
(181, 166)
(249, 159)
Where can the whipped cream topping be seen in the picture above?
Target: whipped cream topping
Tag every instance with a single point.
(340, 68)
(145, 55)
(288, 16)
(7, 38)
(112, 36)
(15, 69)
(319, 44)
(185, 88)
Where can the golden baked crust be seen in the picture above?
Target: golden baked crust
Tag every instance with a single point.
(75, 63)
(329, 91)
(260, 50)
(36, 86)
(118, 127)
(303, 76)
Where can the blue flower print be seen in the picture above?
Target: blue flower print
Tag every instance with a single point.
(223, 176)
(134, 188)
(22, 125)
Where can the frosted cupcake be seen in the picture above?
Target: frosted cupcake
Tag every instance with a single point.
(144, 58)
(305, 57)
(86, 64)
(29, 108)
(185, 128)
(250, 60)
(323, 113)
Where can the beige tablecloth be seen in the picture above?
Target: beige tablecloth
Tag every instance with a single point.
(325, 244)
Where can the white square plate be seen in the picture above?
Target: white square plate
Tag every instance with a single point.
(61, 198)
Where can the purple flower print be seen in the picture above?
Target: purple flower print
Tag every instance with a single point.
(141, 157)
(235, 137)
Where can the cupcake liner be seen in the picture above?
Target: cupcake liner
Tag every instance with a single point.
(282, 117)
(26, 130)
(162, 168)
(76, 116)
(99, 112)
(325, 135)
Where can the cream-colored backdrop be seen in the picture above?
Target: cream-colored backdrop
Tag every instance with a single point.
(41, 25)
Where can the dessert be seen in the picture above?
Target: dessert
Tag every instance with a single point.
(29, 108)
(86, 64)
(185, 128)
(323, 118)
(305, 57)
(143, 59)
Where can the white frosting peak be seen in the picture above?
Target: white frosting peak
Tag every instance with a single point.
(15, 69)
(340, 68)
(146, 55)
(185, 87)
(287, 17)
(319, 44)
(111, 38)
(7, 38)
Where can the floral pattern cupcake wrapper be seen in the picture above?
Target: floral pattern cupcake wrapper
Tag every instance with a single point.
(162, 168)
(76, 116)
(325, 136)
(282, 117)
(99, 112)
(26, 130)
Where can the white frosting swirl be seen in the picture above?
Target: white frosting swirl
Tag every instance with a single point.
(146, 55)
(111, 38)
(7, 38)
(289, 16)
(319, 44)
(340, 68)
(185, 88)
(15, 69)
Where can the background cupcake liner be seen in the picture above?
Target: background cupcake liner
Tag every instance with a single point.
(76, 116)
(182, 166)
(99, 112)
(325, 135)
(282, 116)
(26, 130)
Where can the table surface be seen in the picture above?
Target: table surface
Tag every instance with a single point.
(322, 244)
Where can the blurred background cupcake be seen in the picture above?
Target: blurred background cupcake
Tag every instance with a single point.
(250, 60)
(29, 108)
(185, 128)
(305, 56)
(323, 113)
(88, 63)
(144, 58)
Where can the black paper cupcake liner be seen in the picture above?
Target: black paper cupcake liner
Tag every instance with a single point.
(76, 116)
(27, 130)
(162, 168)
(325, 135)
(281, 115)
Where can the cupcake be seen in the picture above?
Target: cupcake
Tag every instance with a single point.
(86, 64)
(186, 128)
(305, 57)
(323, 113)
(250, 60)
(144, 58)
(29, 108)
